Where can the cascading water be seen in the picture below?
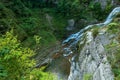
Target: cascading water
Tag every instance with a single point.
(77, 35)
(92, 56)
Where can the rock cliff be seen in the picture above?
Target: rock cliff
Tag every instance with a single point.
(90, 54)
(89, 59)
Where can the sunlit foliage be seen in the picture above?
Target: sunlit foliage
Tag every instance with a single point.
(16, 62)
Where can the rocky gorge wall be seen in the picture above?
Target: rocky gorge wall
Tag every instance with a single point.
(89, 59)
(85, 53)
(92, 61)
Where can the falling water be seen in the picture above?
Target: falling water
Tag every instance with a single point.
(73, 39)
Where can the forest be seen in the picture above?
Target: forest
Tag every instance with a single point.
(32, 29)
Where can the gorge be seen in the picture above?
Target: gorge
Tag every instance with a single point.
(59, 40)
(86, 51)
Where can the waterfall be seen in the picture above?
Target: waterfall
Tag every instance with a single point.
(70, 46)
(74, 38)
(77, 35)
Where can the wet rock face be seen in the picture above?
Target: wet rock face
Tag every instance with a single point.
(83, 55)
(60, 66)
(71, 24)
(89, 57)
(92, 61)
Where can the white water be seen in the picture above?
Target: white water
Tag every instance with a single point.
(73, 39)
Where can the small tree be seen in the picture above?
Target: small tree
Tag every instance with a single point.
(15, 62)
(14, 59)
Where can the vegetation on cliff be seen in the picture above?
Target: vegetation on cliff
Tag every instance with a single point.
(38, 24)
(113, 49)
(16, 62)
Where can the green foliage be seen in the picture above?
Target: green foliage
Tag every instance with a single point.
(28, 18)
(84, 9)
(60, 25)
(95, 32)
(96, 10)
(71, 8)
(87, 77)
(114, 49)
(15, 62)
(37, 39)
(47, 38)
(39, 3)
(14, 58)
(113, 28)
(3, 72)
(19, 8)
(26, 26)
(40, 75)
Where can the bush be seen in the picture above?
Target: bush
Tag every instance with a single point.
(87, 77)
(95, 32)
(14, 59)
(16, 62)
(69, 8)
(113, 50)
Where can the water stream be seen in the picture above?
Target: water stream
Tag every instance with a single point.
(73, 39)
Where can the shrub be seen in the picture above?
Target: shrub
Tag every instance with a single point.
(14, 59)
(113, 28)
(70, 8)
(16, 62)
(95, 32)
(87, 77)
(113, 50)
